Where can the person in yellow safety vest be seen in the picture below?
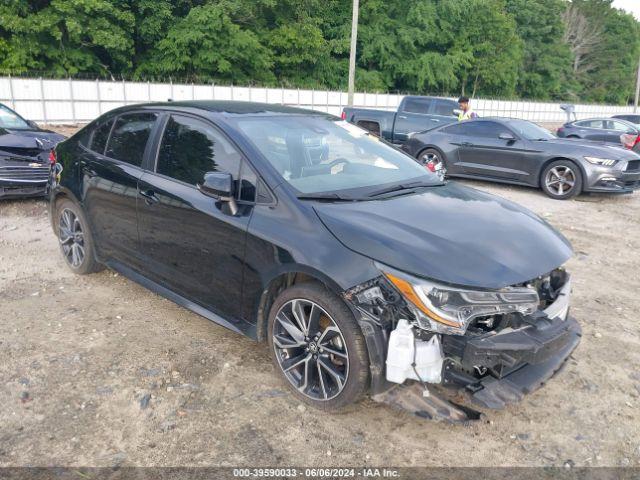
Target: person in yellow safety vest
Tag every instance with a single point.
(466, 113)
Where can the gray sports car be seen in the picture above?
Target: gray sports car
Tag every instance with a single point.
(521, 152)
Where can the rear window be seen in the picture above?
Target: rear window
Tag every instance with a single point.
(417, 105)
(100, 137)
(129, 137)
(445, 108)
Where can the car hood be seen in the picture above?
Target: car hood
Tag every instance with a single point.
(588, 147)
(43, 139)
(451, 233)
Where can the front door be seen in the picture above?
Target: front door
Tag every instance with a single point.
(192, 243)
(484, 153)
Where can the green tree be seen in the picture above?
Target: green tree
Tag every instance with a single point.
(206, 43)
(66, 37)
(545, 72)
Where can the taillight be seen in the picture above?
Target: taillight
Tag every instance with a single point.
(629, 140)
(560, 130)
(343, 115)
(52, 157)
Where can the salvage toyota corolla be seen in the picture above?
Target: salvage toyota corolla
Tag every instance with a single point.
(364, 272)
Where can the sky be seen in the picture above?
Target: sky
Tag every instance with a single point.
(631, 6)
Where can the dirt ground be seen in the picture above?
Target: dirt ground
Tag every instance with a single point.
(98, 371)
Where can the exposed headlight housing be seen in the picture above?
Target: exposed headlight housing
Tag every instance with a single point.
(605, 162)
(449, 310)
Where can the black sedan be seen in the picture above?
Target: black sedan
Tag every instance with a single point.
(25, 155)
(521, 152)
(615, 131)
(360, 268)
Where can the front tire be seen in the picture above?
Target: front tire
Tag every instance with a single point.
(74, 237)
(318, 347)
(561, 180)
(434, 161)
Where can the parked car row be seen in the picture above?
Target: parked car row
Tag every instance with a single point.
(512, 150)
(521, 152)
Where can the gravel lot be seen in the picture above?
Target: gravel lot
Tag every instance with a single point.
(98, 371)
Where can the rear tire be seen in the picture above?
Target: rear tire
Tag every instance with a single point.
(561, 180)
(74, 237)
(317, 347)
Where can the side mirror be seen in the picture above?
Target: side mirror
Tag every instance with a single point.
(507, 136)
(219, 185)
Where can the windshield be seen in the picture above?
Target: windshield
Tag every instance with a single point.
(9, 119)
(321, 154)
(530, 130)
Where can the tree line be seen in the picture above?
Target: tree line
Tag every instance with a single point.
(578, 50)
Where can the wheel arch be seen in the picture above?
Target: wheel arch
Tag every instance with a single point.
(56, 196)
(283, 279)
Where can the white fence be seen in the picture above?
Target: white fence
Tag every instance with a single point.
(79, 101)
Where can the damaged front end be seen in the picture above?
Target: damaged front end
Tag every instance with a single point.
(446, 352)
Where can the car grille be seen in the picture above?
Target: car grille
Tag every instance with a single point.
(633, 165)
(25, 174)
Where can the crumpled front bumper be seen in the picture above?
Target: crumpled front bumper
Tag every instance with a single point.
(544, 352)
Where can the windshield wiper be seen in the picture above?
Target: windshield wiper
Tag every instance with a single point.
(328, 197)
(401, 187)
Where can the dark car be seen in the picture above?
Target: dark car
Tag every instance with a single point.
(25, 161)
(609, 130)
(631, 118)
(523, 153)
(414, 114)
(301, 230)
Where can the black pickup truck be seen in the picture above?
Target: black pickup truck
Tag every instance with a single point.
(415, 114)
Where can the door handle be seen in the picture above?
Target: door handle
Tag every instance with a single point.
(149, 197)
(402, 116)
(466, 144)
(435, 120)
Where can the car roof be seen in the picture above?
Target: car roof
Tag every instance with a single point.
(226, 107)
(601, 118)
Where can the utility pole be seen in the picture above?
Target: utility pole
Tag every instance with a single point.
(352, 53)
(635, 103)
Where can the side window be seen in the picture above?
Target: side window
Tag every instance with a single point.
(191, 147)
(129, 137)
(417, 105)
(100, 136)
(591, 124)
(483, 129)
(457, 129)
(444, 108)
(618, 126)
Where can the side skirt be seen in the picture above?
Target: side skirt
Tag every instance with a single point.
(174, 297)
(491, 179)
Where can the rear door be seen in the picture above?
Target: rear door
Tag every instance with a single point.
(615, 129)
(413, 116)
(110, 170)
(484, 153)
(591, 129)
(192, 243)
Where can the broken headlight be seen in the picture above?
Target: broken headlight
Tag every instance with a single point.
(449, 310)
